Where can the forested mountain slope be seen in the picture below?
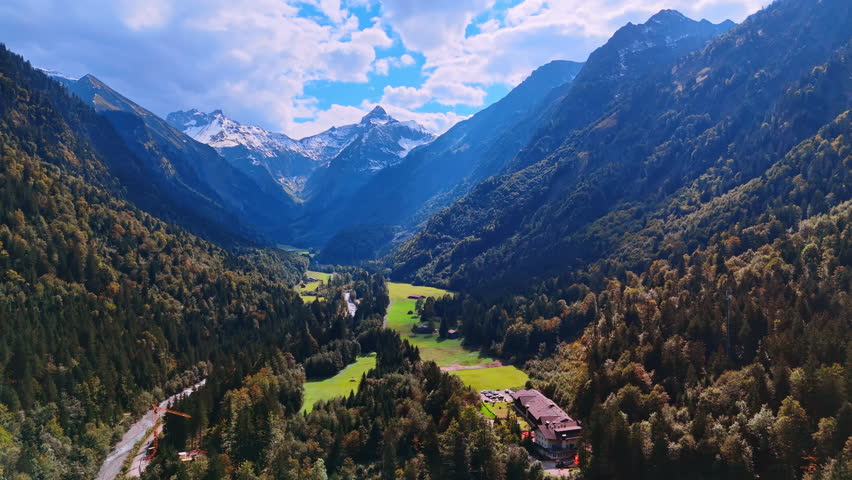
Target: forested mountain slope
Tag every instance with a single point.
(722, 362)
(190, 176)
(685, 133)
(433, 176)
(104, 306)
(105, 310)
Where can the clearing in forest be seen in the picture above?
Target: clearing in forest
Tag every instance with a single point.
(339, 385)
(312, 286)
(445, 352)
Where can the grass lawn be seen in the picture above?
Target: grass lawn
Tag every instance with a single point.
(338, 385)
(496, 378)
(446, 352)
(312, 286)
(487, 411)
(443, 352)
(501, 410)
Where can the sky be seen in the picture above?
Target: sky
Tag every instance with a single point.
(300, 67)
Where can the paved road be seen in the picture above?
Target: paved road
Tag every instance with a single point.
(114, 461)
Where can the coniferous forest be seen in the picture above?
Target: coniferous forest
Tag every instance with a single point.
(663, 248)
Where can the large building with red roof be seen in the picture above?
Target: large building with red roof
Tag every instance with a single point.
(556, 434)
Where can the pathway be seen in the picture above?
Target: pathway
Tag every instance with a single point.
(115, 460)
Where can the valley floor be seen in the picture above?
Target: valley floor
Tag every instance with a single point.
(478, 371)
(339, 385)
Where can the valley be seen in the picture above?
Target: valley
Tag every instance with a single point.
(428, 241)
(339, 385)
(476, 370)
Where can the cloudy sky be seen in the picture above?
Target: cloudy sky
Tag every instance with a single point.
(299, 67)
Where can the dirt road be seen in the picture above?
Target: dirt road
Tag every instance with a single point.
(456, 367)
(114, 461)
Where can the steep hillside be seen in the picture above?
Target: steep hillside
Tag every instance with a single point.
(685, 132)
(190, 175)
(105, 307)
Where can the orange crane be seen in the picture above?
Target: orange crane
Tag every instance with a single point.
(155, 410)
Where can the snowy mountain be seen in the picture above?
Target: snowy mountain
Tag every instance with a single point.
(290, 162)
(380, 142)
(186, 181)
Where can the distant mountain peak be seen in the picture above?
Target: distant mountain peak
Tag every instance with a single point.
(667, 15)
(55, 74)
(377, 115)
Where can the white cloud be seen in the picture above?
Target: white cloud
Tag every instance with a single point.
(408, 97)
(508, 47)
(254, 58)
(489, 25)
(435, 122)
(383, 65)
(331, 8)
(147, 14)
(427, 25)
(280, 52)
(321, 120)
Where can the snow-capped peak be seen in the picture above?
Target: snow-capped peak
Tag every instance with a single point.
(377, 116)
(54, 73)
(381, 141)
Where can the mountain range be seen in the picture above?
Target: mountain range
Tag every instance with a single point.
(505, 136)
(311, 183)
(263, 154)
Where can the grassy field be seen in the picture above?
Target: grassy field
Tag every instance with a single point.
(483, 408)
(312, 286)
(501, 410)
(445, 352)
(340, 384)
(496, 378)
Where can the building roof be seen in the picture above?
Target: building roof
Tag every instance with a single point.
(551, 420)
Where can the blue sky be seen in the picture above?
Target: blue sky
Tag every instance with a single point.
(301, 66)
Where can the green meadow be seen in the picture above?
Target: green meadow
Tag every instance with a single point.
(312, 286)
(497, 378)
(339, 385)
(444, 352)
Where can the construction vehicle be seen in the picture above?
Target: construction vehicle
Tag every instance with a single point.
(156, 409)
